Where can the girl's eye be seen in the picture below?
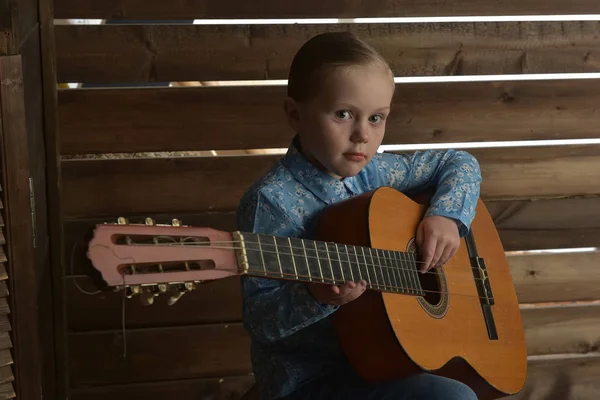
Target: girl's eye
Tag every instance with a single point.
(343, 114)
(376, 119)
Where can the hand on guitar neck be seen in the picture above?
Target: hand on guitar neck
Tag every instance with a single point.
(437, 241)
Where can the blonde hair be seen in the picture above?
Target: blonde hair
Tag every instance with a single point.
(321, 54)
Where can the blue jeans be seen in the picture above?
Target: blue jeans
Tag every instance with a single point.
(351, 387)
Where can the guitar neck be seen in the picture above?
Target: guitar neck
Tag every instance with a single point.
(325, 262)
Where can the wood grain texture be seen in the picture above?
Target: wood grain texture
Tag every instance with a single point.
(179, 185)
(5, 358)
(556, 277)
(215, 302)
(548, 223)
(565, 378)
(5, 341)
(562, 330)
(181, 119)
(158, 354)
(5, 325)
(537, 278)
(186, 10)
(164, 53)
(19, 144)
(225, 388)
(6, 374)
(7, 391)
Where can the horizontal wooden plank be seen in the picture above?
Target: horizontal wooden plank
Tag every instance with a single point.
(3, 274)
(560, 379)
(109, 187)
(5, 341)
(537, 277)
(2, 255)
(2, 238)
(187, 10)
(4, 308)
(564, 378)
(229, 388)
(158, 354)
(6, 374)
(7, 391)
(213, 302)
(5, 358)
(164, 53)
(556, 277)
(548, 223)
(183, 119)
(560, 330)
(5, 325)
(3, 289)
(103, 310)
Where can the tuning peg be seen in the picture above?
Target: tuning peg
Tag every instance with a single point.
(176, 222)
(131, 291)
(179, 290)
(150, 221)
(148, 294)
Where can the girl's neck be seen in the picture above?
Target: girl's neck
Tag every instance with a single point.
(311, 159)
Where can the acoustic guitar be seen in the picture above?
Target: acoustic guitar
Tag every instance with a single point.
(461, 320)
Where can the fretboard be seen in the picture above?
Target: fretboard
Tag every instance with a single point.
(326, 262)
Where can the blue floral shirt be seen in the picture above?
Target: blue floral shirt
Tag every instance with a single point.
(292, 336)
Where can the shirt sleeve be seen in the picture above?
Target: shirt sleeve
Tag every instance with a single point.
(454, 174)
(274, 309)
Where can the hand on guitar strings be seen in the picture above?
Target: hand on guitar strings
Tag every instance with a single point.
(437, 240)
(337, 295)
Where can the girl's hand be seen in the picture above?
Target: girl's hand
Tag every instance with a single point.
(337, 295)
(438, 240)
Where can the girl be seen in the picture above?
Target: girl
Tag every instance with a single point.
(339, 97)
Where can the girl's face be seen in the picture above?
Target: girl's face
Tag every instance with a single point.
(342, 126)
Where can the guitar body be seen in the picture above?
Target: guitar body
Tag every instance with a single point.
(390, 336)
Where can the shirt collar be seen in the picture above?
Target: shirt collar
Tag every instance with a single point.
(324, 186)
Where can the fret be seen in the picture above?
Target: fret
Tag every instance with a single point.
(323, 254)
(352, 266)
(335, 263)
(369, 280)
(254, 253)
(318, 258)
(383, 271)
(337, 251)
(378, 270)
(292, 257)
(401, 273)
(414, 270)
(287, 265)
(386, 267)
(260, 251)
(358, 263)
(413, 279)
(394, 272)
(301, 267)
(306, 260)
(374, 270)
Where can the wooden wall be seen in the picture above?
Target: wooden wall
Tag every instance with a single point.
(542, 197)
(26, 272)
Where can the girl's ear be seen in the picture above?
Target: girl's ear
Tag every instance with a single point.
(292, 113)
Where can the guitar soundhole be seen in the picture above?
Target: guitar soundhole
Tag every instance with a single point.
(435, 301)
(430, 282)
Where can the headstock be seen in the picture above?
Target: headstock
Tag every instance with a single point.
(150, 259)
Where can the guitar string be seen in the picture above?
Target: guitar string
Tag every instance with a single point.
(328, 251)
(359, 264)
(331, 281)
